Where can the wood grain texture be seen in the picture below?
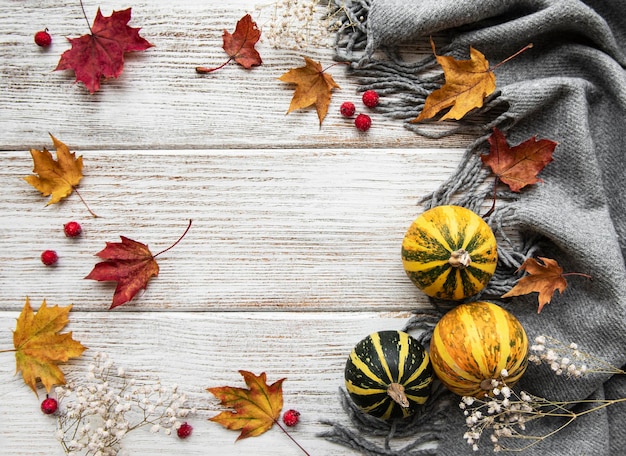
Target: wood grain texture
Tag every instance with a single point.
(294, 252)
(200, 350)
(159, 101)
(272, 229)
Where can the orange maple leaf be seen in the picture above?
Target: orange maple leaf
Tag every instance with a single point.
(467, 84)
(59, 178)
(519, 165)
(545, 278)
(39, 347)
(313, 87)
(240, 45)
(255, 410)
(130, 264)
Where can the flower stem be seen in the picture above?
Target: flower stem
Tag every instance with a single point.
(175, 243)
(292, 439)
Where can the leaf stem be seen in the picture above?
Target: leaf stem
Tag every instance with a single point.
(493, 204)
(292, 439)
(94, 215)
(204, 70)
(587, 276)
(8, 350)
(525, 48)
(175, 243)
(334, 64)
(87, 19)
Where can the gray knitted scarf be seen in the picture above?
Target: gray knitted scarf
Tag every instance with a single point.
(570, 88)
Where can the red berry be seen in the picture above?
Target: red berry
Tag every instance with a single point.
(72, 229)
(184, 430)
(49, 257)
(43, 38)
(291, 417)
(363, 122)
(347, 109)
(370, 98)
(49, 405)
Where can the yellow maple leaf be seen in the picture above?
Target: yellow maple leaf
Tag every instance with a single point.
(313, 87)
(467, 84)
(39, 347)
(255, 409)
(59, 177)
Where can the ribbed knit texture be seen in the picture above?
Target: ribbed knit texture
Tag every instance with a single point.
(570, 88)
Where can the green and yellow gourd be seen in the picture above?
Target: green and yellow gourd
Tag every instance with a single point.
(473, 343)
(449, 252)
(388, 375)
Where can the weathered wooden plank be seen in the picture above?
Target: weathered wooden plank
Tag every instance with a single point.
(159, 101)
(196, 351)
(272, 229)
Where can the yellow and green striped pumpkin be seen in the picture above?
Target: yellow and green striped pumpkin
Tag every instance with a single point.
(449, 252)
(388, 375)
(473, 343)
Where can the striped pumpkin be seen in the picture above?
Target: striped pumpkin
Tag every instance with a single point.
(449, 252)
(388, 375)
(473, 343)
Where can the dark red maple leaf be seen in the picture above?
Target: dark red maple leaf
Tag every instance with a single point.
(130, 264)
(519, 165)
(101, 54)
(240, 45)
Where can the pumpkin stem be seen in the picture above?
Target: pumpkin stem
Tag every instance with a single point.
(460, 259)
(396, 392)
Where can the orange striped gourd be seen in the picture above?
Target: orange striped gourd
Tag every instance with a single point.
(449, 252)
(388, 375)
(473, 343)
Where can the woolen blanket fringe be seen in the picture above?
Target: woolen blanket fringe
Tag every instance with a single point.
(570, 88)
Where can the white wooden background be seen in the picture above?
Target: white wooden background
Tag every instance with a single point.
(294, 252)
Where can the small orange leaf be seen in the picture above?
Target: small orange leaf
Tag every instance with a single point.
(56, 178)
(467, 84)
(255, 410)
(313, 87)
(543, 278)
(519, 165)
(39, 347)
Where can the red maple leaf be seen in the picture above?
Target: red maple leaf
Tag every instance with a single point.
(519, 165)
(240, 45)
(130, 264)
(101, 54)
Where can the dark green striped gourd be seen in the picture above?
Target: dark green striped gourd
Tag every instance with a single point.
(388, 375)
(449, 252)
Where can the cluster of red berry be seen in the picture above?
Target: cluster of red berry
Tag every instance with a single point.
(71, 230)
(363, 122)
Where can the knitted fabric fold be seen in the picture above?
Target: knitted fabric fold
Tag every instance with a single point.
(570, 88)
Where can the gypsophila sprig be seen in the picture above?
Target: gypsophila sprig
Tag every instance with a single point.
(296, 24)
(505, 416)
(568, 359)
(98, 409)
